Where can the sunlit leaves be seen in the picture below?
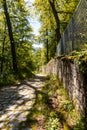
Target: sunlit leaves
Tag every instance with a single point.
(22, 33)
(64, 8)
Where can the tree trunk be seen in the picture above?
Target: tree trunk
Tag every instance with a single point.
(4, 37)
(55, 13)
(9, 25)
(47, 48)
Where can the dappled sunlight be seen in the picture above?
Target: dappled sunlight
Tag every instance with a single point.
(16, 103)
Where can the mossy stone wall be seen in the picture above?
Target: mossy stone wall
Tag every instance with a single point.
(72, 78)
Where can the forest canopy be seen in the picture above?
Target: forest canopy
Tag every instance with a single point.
(54, 16)
(17, 54)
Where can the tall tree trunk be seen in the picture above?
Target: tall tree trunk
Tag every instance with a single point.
(47, 48)
(9, 25)
(4, 37)
(55, 13)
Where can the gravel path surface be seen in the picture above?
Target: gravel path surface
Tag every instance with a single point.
(17, 101)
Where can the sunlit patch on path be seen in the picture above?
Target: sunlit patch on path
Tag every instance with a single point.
(17, 101)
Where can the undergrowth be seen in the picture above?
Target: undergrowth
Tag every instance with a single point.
(9, 78)
(80, 57)
(53, 110)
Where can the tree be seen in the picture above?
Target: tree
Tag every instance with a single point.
(54, 16)
(54, 10)
(22, 37)
(47, 46)
(3, 44)
(20, 21)
(10, 36)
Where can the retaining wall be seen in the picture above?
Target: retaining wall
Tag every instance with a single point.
(73, 80)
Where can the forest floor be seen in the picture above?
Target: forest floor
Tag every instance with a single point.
(36, 104)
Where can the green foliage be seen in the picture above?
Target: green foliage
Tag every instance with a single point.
(39, 59)
(7, 78)
(25, 73)
(80, 125)
(52, 124)
(65, 10)
(22, 33)
(81, 58)
(68, 105)
(63, 116)
(66, 110)
(25, 56)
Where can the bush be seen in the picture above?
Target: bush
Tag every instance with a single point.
(7, 78)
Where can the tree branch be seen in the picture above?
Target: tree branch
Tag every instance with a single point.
(60, 12)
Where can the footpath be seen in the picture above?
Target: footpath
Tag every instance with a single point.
(17, 101)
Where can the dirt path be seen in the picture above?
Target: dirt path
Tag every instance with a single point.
(17, 101)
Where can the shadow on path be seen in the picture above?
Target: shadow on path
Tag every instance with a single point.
(17, 101)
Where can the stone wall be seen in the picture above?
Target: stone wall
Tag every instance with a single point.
(72, 78)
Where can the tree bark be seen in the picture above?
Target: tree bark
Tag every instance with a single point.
(47, 47)
(9, 25)
(4, 37)
(55, 13)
